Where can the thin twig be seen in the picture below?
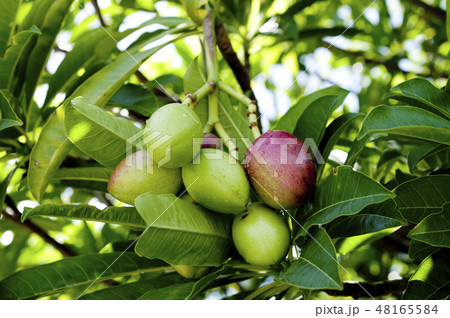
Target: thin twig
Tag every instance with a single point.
(65, 250)
(99, 13)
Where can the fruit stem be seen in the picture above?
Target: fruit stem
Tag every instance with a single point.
(262, 290)
(250, 104)
(191, 100)
(209, 35)
(229, 143)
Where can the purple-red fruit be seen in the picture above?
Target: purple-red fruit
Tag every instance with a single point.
(211, 141)
(281, 169)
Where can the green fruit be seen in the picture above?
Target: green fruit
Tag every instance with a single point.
(136, 174)
(191, 272)
(261, 235)
(217, 181)
(173, 132)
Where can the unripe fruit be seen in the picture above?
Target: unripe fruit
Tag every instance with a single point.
(173, 130)
(136, 174)
(191, 272)
(261, 235)
(281, 169)
(211, 141)
(217, 181)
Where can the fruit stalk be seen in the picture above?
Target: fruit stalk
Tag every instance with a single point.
(191, 100)
(250, 104)
(229, 143)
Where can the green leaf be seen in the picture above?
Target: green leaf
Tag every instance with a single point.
(133, 291)
(182, 233)
(358, 147)
(36, 61)
(332, 134)
(351, 244)
(434, 229)
(8, 13)
(116, 215)
(74, 271)
(47, 155)
(173, 292)
(4, 187)
(431, 279)
(313, 122)
(235, 124)
(194, 78)
(344, 192)
(136, 98)
(373, 218)
(420, 92)
(290, 120)
(317, 267)
(420, 250)
(84, 173)
(12, 55)
(102, 136)
(406, 121)
(8, 117)
(421, 152)
(95, 46)
(418, 198)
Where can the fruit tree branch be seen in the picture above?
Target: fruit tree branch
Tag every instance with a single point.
(99, 13)
(438, 13)
(357, 290)
(65, 250)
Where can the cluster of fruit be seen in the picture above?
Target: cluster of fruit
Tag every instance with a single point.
(276, 165)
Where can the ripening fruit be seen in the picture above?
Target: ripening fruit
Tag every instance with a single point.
(211, 141)
(191, 272)
(136, 174)
(172, 133)
(217, 181)
(280, 169)
(261, 235)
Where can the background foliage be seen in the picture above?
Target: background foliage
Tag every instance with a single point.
(386, 221)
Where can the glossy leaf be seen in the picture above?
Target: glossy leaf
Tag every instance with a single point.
(418, 198)
(434, 229)
(235, 124)
(94, 46)
(317, 266)
(431, 280)
(12, 55)
(351, 244)
(47, 155)
(290, 120)
(420, 92)
(52, 23)
(406, 121)
(133, 291)
(182, 233)
(127, 216)
(420, 250)
(173, 292)
(344, 192)
(194, 78)
(373, 218)
(102, 136)
(8, 13)
(332, 134)
(74, 271)
(358, 146)
(313, 122)
(8, 117)
(421, 152)
(136, 98)
(84, 173)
